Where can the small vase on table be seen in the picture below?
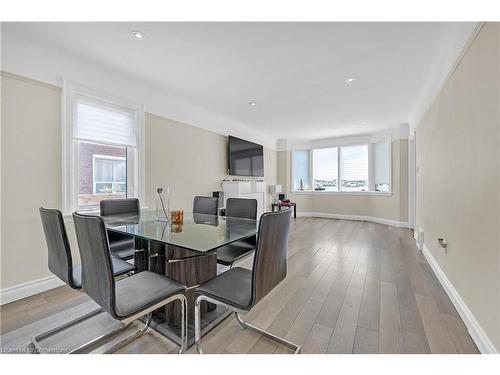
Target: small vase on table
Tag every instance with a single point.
(162, 209)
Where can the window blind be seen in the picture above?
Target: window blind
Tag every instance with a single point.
(103, 122)
(301, 169)
(325, 166)
(381, 153)
(354, 163)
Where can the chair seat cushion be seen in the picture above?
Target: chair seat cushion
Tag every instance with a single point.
(123, 254)
(233, 287)
(233, 252)
(142, 290)
(120, 267)
(121, 246)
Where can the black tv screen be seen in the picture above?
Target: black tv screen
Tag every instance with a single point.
(245, 158)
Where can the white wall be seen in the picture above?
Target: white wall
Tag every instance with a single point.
(31, 175)
(458, 182)
(189, 160)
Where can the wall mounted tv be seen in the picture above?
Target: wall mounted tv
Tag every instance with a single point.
(245, 158)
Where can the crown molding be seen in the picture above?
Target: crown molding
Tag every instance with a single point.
(442, 73)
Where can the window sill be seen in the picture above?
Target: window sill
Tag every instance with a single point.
(376, 193)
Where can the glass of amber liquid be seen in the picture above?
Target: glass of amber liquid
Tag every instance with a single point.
(177, 216)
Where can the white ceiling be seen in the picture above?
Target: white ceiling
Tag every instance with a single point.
(294, 71)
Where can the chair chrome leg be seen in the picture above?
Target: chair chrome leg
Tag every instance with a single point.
(36, 339)
(296, 348)
(149, 319)
(184, 323)
(103, 337)
(197, 324)
(131, 338)
(184, 316)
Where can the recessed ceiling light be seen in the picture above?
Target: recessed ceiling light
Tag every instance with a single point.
(253, 104)
(349, 80)
(137, 35)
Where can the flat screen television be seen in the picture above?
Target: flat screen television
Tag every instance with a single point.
(245, 158)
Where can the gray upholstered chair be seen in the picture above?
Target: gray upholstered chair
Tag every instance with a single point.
(60, 264)
(128, 299)
(230, 254)
(205, 205)
(240, 289)
(121, 245)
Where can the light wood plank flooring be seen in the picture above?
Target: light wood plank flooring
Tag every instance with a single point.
(352, 287)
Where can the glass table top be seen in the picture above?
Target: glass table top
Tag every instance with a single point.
(198, 232)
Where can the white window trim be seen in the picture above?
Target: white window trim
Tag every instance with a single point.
(70, 153)
(104, 157)
(332, 143)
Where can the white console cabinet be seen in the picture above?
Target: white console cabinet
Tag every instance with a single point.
(249, 190)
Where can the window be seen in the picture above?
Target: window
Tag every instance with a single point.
(103, 153)
(110, 175)
(325, 169)
(301, 169)
(351, 168)
(354, 168)
(382, 164)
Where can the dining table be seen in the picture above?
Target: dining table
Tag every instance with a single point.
(186, 252)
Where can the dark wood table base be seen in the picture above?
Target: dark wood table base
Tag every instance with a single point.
(189, 268)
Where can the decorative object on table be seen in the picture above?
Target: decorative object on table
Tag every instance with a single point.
(275, 189)
(177, 216)
(281, 196)
(162, 202)
(301, 186)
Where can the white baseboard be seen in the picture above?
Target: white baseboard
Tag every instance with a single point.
(477, 333)
(394, 223)
(31, 288)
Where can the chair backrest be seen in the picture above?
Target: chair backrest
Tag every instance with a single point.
(59, 251)
(97, 270)
(205, 205)
(119, 206)
(270, 260)
(241, 207)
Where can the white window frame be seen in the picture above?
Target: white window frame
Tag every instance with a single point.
(104, 157)
(70, 157)
(331, 144)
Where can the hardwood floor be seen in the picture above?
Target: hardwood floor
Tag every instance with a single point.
(352, 287)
